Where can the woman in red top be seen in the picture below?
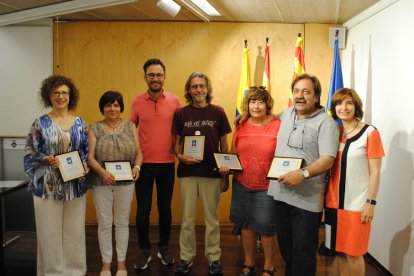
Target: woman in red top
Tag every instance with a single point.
(251, 208)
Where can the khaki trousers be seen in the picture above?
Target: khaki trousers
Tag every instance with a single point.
(208, 190)
(60, 227)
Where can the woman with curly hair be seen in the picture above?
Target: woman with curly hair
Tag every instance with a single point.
(59, 205)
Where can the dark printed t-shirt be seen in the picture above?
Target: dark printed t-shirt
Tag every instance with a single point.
(210, 121)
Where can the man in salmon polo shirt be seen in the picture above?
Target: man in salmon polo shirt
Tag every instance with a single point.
(152, 112)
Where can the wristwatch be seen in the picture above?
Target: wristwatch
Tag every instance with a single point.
(305, 173)
(371, 201)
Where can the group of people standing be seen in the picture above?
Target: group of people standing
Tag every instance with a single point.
(153, 139)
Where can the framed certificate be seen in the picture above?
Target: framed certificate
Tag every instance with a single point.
(70, 165)
(120, 169)
(194, 146)
(282, 165)
(231, 161)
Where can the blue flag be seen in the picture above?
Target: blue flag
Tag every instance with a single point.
(336, 77)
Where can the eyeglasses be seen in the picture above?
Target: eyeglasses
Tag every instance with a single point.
(152, 75)
(296, 136)
(63, 94)
(195, 86)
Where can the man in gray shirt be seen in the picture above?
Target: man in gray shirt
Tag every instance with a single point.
(306, 132)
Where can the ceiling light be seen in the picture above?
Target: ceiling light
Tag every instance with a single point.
(57, 9)
(169, 6)
(206, 7)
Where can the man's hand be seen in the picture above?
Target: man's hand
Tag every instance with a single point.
(224, 170)
(188, 160)
(292, 179)
(240, 119)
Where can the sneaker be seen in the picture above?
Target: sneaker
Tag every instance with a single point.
(215, 268)
(183, 267)
(165, 256)
(143, 260)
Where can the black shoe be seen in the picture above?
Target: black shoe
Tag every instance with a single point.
(215, 268)
(270, 272)
(143, 260)
(251, 272)
(165, 256)
(183, 267)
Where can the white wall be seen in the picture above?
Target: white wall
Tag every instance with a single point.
(378, 62)
(25, 60)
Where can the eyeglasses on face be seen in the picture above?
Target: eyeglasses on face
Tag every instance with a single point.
(152, 75)
(58, 93)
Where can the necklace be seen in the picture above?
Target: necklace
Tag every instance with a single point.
(345, 134)
(113, 127)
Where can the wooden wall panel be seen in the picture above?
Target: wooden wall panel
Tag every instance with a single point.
(101, 56)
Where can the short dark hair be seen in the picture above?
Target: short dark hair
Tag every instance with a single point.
(153, 61)
(187, 95)
(110, 97)
(258, 93)
(51, 83)
(340, 95)
(316, 86)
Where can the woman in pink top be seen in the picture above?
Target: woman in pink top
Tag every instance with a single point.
(251, 208)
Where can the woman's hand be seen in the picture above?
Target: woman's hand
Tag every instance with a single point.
(52, 161)
(135, 173)
(107, 177)
(83, 178)
(367, 213)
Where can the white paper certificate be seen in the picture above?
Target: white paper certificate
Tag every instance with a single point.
(194, 146)
(70, 165)
(282, 165)
(120, 169)
(228, 160)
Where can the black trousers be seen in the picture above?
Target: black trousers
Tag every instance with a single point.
(163, 174)
(297, 234)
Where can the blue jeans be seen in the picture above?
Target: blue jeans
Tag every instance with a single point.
(297, 234)
(163, 174)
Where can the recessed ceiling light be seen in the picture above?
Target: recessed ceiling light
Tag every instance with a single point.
(206, 7)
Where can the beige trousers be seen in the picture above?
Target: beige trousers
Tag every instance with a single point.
(119, 198)
(208, 190)
(60, 227)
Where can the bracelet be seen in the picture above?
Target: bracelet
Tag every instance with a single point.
(178, 156)
(138, 168)
(371, 201)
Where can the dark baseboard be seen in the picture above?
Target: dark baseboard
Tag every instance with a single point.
(378, 264)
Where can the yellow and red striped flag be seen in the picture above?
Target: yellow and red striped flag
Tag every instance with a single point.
(299, 61)
(266, 73)
(244, 80)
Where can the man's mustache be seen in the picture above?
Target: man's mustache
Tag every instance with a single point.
(300, 100)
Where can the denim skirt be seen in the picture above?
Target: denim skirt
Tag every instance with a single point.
(253, 209)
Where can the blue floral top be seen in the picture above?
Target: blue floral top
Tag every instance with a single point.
(44, 139)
